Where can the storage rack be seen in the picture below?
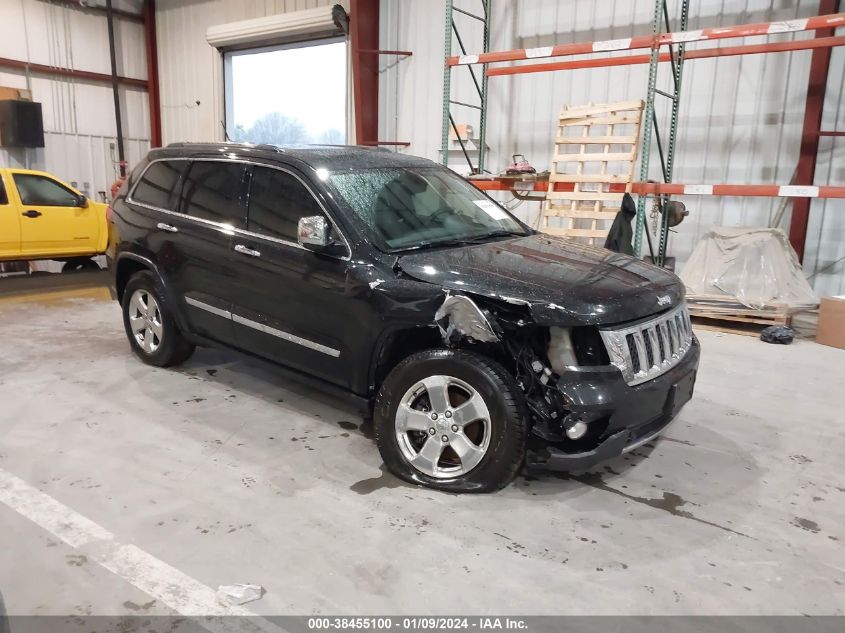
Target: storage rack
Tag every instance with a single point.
(667, 155)
(481, 88)
(824, 25)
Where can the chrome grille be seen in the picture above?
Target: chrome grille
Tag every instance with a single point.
(650, 348)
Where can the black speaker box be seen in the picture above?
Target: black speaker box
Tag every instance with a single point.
(21, 124)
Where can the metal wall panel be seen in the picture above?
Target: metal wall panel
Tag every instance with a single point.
(191, 71)
(825, 254)
(79, 126)
(741, 117)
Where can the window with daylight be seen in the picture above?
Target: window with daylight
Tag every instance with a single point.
(287, 95)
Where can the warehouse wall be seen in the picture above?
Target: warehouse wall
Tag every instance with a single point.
(78, 115)
(190, 72)
(741, 117)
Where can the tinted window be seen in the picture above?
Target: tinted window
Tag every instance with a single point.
(212, 191)
(4, 199)
(38, 190)
(157, 183)
(276, 202)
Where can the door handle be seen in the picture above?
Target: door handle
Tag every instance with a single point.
(243, 250)
(31, 213)
(167, 227)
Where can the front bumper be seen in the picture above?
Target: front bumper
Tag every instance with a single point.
(634, 415)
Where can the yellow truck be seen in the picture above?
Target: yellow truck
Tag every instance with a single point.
(42, 217)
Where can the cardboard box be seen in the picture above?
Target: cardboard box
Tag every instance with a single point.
(831, 330)
(17, 94)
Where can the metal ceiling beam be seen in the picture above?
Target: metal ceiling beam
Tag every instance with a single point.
(98, 9)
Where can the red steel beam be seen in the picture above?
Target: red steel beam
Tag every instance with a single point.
(764, 191)
(151, 45)
(631, 60)
(363, 28)
(805, 172)
(53, 71)
(758, 191)
(825, 22)
(823, 133)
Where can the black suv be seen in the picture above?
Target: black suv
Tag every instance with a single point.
(475, 341)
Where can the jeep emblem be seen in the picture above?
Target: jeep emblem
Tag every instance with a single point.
(664, 300)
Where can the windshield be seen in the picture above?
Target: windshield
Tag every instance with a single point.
(426, 206)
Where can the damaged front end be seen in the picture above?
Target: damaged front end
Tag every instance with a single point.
(535, 355)
(582, 410)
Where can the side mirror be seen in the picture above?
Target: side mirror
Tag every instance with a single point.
(313, 232)
(81, 201)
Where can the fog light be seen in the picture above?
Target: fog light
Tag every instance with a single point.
(577, 430)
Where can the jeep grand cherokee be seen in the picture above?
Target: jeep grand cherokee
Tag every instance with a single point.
(477, 342)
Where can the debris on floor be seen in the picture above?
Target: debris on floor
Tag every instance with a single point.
(779, 334)
(239, 594)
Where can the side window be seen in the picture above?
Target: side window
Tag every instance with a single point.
(212, 191)
(41, 191)
(4, 199)
(276, 202)
(157, 183)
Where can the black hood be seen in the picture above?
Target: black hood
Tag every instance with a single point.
(563, 282)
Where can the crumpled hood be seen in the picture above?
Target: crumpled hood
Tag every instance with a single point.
(563, 282)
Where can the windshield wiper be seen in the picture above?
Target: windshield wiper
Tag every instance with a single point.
(477, 239)
(458, 241)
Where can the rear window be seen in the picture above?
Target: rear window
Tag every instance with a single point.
(214, 191)
(156, 185)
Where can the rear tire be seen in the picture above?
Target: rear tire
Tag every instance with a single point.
(152, 331)
(477, 414)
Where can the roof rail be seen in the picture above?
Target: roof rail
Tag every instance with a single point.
(269, 147)
(263, 146)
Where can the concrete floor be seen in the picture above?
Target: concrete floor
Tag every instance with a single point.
(223, 472)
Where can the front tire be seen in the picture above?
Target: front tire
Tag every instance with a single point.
(451, 420)
(152, 331)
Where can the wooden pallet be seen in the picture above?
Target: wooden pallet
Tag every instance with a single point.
(596, 145)
(718, 308)
(727, 327)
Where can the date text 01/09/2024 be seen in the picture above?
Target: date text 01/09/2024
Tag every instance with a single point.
(416, 623)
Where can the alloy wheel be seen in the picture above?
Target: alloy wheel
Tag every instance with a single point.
(443, 427)
(145, 321)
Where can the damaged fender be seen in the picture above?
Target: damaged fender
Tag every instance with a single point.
(460, 315)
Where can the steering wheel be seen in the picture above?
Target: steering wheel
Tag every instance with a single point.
(434, 218)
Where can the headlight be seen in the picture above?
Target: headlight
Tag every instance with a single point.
(589, 348)
(576, 347)
(561, 352)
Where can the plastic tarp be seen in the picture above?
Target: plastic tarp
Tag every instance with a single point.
(754, 266)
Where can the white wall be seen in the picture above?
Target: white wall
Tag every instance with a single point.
(741, 117)
(79, 124)
(191, 71)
